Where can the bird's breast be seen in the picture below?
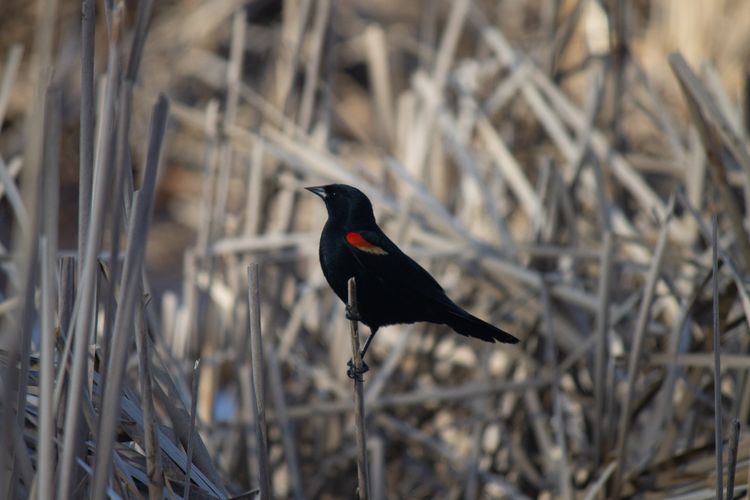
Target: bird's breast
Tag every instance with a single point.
(337, 262)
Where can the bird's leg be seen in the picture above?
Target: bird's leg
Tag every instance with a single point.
(367, 342)
(353, 373)
(350, 371)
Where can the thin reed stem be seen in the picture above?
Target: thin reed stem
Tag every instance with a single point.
(360, 429)
(718, 434)
(256, 354)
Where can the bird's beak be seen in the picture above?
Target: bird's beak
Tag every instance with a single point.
(319, 190)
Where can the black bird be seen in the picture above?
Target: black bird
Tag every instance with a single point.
(391, 287)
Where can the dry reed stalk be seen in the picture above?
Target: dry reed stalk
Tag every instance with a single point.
(443, 75)
(441, 449)
(220, 169)
(666, 410)
(48, 256)
(723, 102)
(726, 258)
(445, 394)
(718, 417)
(715, 136)
(701, 360)
(294, 16)
(65, 308)
(256, 353)
(143, 19)
(286, 426)
(620, 168)
(249, 416)
(602, 346)
(314, 51)
(192, 438)
(85, 297)
(561, 449)
(17, 338)
(449, 42)
(86, 141)
(380, 74)
(14, 197)
(10, 72)
(198, 259)
(150, 423)
(180, 418)
(289, 336)
(121, 203)
(377, 470)
(595, 491)
(132, 281)
(630, 179)
(7, 182)
(437, 213)
(376, 386)
(471, 486)
(734, 439)
(363, 469)
(640, 330)
(254, 186)
(462, 155)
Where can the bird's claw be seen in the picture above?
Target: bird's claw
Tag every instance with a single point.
(352, 371)
(352, 315)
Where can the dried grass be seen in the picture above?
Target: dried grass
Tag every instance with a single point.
(538, 160)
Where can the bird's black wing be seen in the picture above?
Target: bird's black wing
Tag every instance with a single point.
(378, 255)
(404, 279)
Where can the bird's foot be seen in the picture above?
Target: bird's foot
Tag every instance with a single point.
(352, 371)
(352, 315)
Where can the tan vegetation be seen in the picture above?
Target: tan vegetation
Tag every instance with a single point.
(556, 164)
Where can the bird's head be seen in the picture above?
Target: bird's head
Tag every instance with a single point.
(346, 205)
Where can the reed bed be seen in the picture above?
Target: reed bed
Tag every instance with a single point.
(565, 168)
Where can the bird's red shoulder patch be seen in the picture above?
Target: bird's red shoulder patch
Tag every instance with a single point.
(359, 242)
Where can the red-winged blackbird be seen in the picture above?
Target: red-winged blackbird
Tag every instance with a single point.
(391, 287)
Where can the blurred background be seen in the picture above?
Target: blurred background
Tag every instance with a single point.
(554, 163)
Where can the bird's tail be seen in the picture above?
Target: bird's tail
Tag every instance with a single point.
(471, 326)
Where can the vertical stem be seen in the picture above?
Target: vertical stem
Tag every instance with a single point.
(717, 366)
(287, 426)
(122, 164)
(359, 400)
(86, 292)
(256, 355)
(150, 435)
(378, 469)
(122, 335)
(249, 414)
(143, 16)
(10, 71)
(618, 35)
(191, 432)
(51, 188)
(45, 460)
(734, 441)
(602, 346)
(649, 292)
(17, 337)
(86, 144)
(564, 486)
